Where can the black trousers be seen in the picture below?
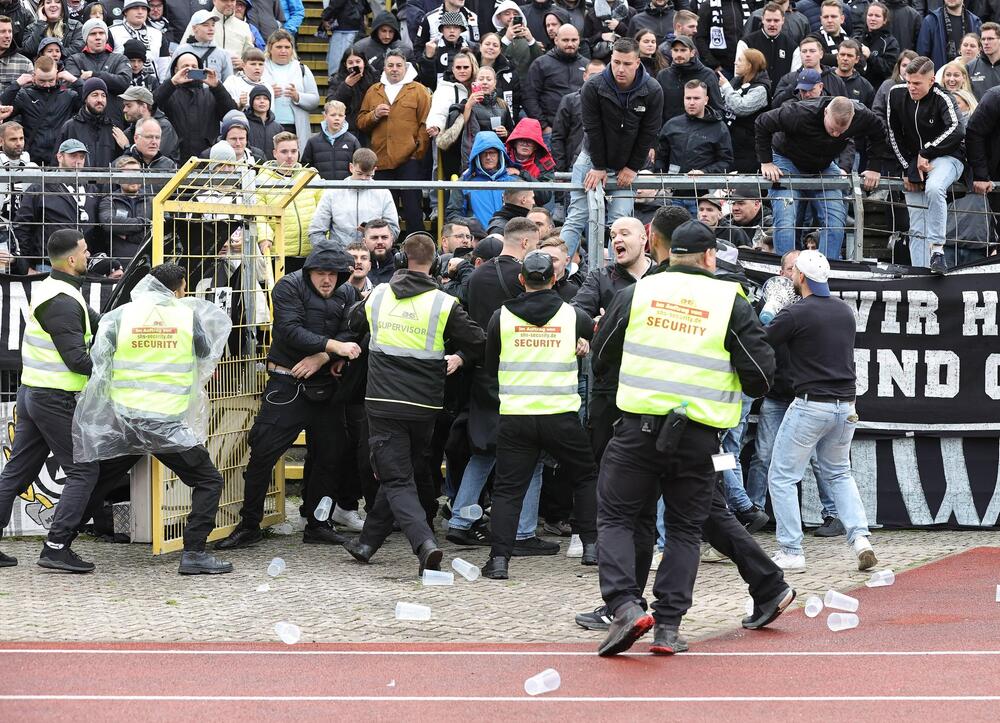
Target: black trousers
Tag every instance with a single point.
(633, 475)
(45, 424)
(521, 439)
(356, 478)
(399, 448)
(411, 200)
(284, 413)
(194, 467)
(601, 420)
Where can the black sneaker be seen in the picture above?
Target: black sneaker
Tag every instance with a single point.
(753, 519)
(63, 559)
(559, 528)
(534, 547)
(938, 265)
(322, 533)
(630, 624)
(766, 613)
(831, 527)
(201, 563)
(475, 536)
(667, 641)
(599, 619)
(7, 560)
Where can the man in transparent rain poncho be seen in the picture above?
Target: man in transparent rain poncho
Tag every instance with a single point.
(152, 358)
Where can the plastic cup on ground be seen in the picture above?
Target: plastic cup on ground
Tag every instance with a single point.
(814, 606)
(276, 567)
(545, 682)
(263, 588)
(748, 605)
(322, 511)
(288, 632)
(839, 601)
(466, 569)
(412, 611)
(470, 512)
(882, 578)
(841, 621)
(438, 577)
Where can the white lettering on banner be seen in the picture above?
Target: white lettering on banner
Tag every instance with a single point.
(993, 376)
(890, 372)
(974, 312)
(958, 492)
(18, 311)
(934, 387)
(904, 455)
(861, 359)
(923, 306)
(891, 300)
(861, 304)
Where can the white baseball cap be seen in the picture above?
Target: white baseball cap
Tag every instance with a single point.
(816, 269)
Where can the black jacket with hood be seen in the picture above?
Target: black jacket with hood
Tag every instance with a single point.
(672, 82)
(42, 112)
(551, 76)
(619, 126)
(262, 132)
(97, 133)
(693, 143)
(373, 51)
(195, 109)
(113, 69)
(303, 320)
(406, 387)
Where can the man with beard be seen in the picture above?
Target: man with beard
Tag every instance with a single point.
(685, 67)
(93, 127)
(193, 107)
(138, 107)
(379, 239)
(12, 63)
(12, 155)
(95, 61)
(557, 73)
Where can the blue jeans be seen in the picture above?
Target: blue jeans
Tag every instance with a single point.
(661, 526)
(732, 479)
(340, 43)
(772, 411)
(828, 206)
(929, 209)
(619, 205)
(476, 473)
(827, 428)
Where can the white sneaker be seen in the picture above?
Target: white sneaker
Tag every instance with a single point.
(657, 557)
(864, 552)
(350, 519)
(789, 563)
(575, 548)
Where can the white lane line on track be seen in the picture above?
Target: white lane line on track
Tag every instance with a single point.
(509, 699)
(511, 653)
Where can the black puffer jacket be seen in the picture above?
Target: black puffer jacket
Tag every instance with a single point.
(262, 132)
(195, 109)
(303, 320)
(551, 76)
(113, 69)
(904, 23)
(619, 127)
(691, 143)
(97, 133)
(332, 160)
(42, 112)
(884, 52)
(672, 82)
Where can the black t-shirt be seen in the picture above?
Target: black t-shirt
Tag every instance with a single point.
(819, 332)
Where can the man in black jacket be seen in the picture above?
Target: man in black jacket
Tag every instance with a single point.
(622, 111)
(567, 128)
(516, 204)
(412, 327)
(658, 17)
(309, 305)
(773, 40)
(686, 66)
(858, 87)
(980, 141)
(808, 137)
(125, 214)
(378, 238)
(95, 61)
(831, 32)
(810, 52)
(557, 73)
(42, 107)
(93, 127)
(926, 133)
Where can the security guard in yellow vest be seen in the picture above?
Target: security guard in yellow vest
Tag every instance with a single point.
(152, 358)
(686, 344)
(412, 326)
(55, 366)
(531, 346)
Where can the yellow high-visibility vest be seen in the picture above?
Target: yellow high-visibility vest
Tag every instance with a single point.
(538, 368)
(674, 350)
(42, 364)
(153, 367)
(409, 327)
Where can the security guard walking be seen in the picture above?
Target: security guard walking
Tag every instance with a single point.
(532, 344)
(56, 365)
(411, 322)
(686, 344)
(152, 358)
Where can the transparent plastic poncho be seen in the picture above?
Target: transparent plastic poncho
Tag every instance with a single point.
(104, 429)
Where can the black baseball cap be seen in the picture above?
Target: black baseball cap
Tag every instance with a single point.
(489, 248)
(537, 267)
(692, 237)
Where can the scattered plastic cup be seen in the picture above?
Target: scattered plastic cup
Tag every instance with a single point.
(470, 512)
(545, 682)
(841, 621)
(882, 578)
(412, 611)
(839, 601)
(276, 567)
(438, 577)
(263, 588)
(466, 569)
(288, 632)
(814, 606)
(322, 511)
(748, 605)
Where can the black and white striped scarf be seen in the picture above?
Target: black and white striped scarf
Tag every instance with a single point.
(143, 37)
(716, 34)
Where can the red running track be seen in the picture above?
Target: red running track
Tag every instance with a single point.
(927, 647)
